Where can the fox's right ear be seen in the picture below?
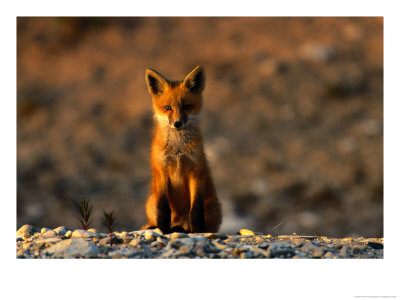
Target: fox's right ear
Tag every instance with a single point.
(196, 80)
(156, 83)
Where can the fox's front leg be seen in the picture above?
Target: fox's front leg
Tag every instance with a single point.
(196, 215)
(158, 210)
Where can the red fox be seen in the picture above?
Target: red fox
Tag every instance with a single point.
(183, 196)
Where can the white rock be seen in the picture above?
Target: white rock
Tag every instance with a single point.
(158, 230)
(178, 235)
(27, 229)
(72, 247)
(80, 233)
(61, 230)
(44, 230)
(309, 247)
(121, 235)
(49, 233)
(151, 235)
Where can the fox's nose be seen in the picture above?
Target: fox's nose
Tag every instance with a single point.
(178, 124)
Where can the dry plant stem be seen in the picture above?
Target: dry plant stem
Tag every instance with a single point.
(108, 221)
(85, 212)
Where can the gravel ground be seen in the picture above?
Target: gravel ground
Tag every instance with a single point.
(63, 242)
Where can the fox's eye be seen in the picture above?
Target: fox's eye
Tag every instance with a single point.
(167, 107)
(187, 106)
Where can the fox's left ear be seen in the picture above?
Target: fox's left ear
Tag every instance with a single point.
(196, 80)
(156, 83)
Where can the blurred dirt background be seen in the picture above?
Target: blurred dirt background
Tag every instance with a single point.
(292, 119)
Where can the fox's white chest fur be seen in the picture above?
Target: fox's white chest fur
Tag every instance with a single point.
(177, 146)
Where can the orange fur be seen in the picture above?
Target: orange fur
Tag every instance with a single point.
(182, 195)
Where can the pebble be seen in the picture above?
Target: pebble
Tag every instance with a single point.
(246, 232)
(151, 235)
(49, 233)
(309, 247)
(220, 245)
(137, 232)
(344, 252)
(178, 235)
(318, 253)
(27, 229)
(316, 243)
(61, 230)
(135, 242)
(80, 233)
(71, 247)
(44, 230)
(153, 244)
(104, 241)
(159, 231)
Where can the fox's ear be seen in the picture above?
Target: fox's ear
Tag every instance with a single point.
(196, 80)
(156, 83)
